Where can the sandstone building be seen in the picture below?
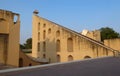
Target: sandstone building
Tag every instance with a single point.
(60, 44)
(10, 54)
(9, 37)
(51, 42)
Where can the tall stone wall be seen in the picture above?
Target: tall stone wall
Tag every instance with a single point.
(60, 44)
(9, 31)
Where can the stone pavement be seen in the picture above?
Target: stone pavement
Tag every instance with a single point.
(107, 66)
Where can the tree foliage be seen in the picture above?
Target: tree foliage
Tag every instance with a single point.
(22, 46)
(27, 45)
(108, 33)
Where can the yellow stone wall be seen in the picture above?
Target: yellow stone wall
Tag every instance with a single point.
(113, 43)
(82, 45)
(9, 37)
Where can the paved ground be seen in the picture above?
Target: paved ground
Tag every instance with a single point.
(109, 66)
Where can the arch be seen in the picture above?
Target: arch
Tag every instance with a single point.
(58, 33)
(38, 36)
(38, 46)
(44, 56)
(58, 45)
(15, 18)
(30, 64)
(70, 45)
(44, 46)
(44, 25)
(20, 62)
(70, 58)
(58, 58)
(49, 30)
(44, 34)
(87, 57)
(38, 26)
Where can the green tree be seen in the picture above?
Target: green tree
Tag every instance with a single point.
(108, 33)
(28, 44)
(22, 46)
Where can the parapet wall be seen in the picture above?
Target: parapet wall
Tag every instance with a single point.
(7, 20)
(5, 14)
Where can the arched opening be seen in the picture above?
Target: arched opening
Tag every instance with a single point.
(44, 46)
(44, 56)
(58, 46)
(70, 45)
(58, 58)
(20, 62)
(87, 57)
(70, 58)
(38, 46)
(39, 26)
(49, 31)
(15, 19)
(44, 25)
(44, 34)
(58, 33)
(38, 36)
(30, 64)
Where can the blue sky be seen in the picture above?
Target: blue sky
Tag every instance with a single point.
(74, 14)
